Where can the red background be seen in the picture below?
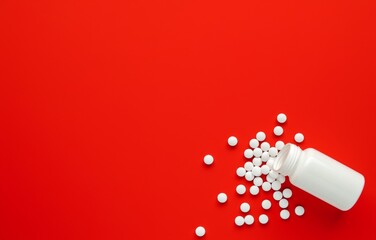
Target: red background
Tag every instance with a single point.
(108, 107)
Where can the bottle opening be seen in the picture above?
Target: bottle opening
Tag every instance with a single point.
(287, 159)
(281, 158)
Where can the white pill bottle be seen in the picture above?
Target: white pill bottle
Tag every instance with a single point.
(320, 175)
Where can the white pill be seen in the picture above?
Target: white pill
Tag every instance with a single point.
(244, 207)
(265, 156)
(299, 137)
(266, 186)
(254, 143)
(200, 231)
(287, 193)
(276, 185)
(266, 204)
(240, 189)
(277, 195)
(232, 141)
(258, 181)
(299, 210)
(273, 174)
(248, 166)
(285, 214)
(270, 163)
(263, 219)
(240, 172)
(265, 146)
(265, 169)
(273, 152)
(249, 220)
(279, 145)
(256, 171)
(278, 131)
(281, 178)
(222, 197)
(257, 152)
(208, 159)
(239, 221)
(248, 153)
(261, 136)
(269, 178)
(254, 190)
(281, 118)
(257, 161)
(249, 176)
(283, 203)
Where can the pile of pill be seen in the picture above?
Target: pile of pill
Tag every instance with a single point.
(258, 170)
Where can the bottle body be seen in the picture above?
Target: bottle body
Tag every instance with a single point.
(321, 176)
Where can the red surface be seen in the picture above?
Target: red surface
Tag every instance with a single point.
(108, 107)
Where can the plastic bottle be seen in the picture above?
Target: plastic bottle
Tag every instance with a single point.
(320, 175)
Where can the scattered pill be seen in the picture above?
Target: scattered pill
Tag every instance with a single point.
(257, 152)
(208, 159)
(273, 152)
(276, 185)
(248, 166)
(299, 210)
(281, 118)
(266, 204)
(269, 178)
(287, 193)
(240, 172)
(277, 195)
(240, 189)
(265, 146)
(244, 207)
(257, 181)
(279, 145)
(232, 141)
(299, 138)
(200, 231)
(263, 219)
(254, 143)
(260, 136)
(254, 190)
(257, 161)
(281, 178)
(278, 131)
(285, 214)
(265, 169)
(273, 174)
(270, 163)
(266, 186)
(248, 153)
(249, 176)
(265, 156)
(222, 197)
(239, 221)
(249, 220)
(283, 203)
(256, 170)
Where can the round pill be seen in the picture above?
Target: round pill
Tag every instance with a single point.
(265, 146)
(257, 181)
(240, 172)
(276, 185)
(299, 210)
(277, 195)
(222, 197)
(261, 136)
(285, 214)
(248, 153)
(269, 178)
(254, 143)
(265, 169)
(281, 178)
(249, 220)
(249, 176)
(208, 159)
(263, 219)
(200, 231)
(283, 203)
(248, 166)
(244, 207)
(240, 189)
(266, 204)
(257, 161)
(273, 152)
(278, 131)
(257, 152)
(239, 221)
(270, 163)
(287, 193)
(265, 156)
(266, 186)
(281, 118)
(256, 171)
(254, 190)
(279, 145)
(299, 137)
(232, 141)
(273, 174)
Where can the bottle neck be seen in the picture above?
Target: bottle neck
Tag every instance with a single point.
(287, 159)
